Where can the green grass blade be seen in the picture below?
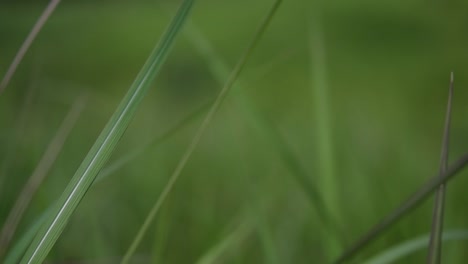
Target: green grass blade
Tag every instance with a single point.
(393, 254)
(327, 178)
(196, 139)
(104, 144)
(319, 86)
(412, 202)
(39, 174)
(27, 43)
(19, 247)
(435, 246)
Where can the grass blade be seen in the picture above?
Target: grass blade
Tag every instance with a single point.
(39, 174)
(196, 139)
(27, 43)
(19, 247)
(434, 253)
(413, 201)
(105, 143)
(319, 86)
(393, 254)
(327, 178)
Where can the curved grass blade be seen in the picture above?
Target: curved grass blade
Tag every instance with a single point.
(412, 202)
(27, 43)
(105, 143)
(196, 139)
(393, 254)
(435, 246)
(38, 175)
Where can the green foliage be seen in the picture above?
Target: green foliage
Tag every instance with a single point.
(334, 121)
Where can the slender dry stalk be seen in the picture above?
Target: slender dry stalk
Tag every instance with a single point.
(39, 174)
(27, 43)
(406, 207)
(434, 254)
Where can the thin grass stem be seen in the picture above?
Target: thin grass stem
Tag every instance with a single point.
(198, 135)
(27, 43)
(435, 251)
(412, 202)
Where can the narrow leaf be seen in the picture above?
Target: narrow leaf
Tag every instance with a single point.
(19, 247)
(105, 144)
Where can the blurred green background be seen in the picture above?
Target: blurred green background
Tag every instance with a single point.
(386, 65)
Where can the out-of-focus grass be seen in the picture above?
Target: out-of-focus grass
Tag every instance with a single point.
(388, 64)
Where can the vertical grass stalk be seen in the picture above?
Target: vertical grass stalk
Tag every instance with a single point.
(412, 202)
(435, 251)
(324, 132)
(105, 143)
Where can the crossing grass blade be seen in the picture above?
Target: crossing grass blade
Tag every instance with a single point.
(199, 133)
(395, 253)
(412, 202)
(38, 175)
(27, 43)
(105, 143)
(435, 251)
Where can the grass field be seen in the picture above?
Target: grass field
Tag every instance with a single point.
(343, 100)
